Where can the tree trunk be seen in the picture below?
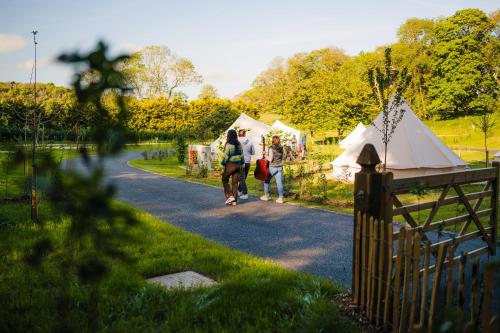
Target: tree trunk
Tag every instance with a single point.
(34, 203)
(486, 148)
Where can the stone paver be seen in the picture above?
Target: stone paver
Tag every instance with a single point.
(188, 279)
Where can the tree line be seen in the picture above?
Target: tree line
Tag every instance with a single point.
(453, 64)
(203, 118)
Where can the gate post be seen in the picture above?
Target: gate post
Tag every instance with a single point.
(372, 200)
(494, 204)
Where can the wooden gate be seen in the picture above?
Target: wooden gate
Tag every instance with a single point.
(402, 276)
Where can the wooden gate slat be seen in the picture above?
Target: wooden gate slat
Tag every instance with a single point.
(476, 207)
(472, 213)
(474, 304)
(449, 275)
(363, 260)
(425, 281)
(369, 274)
(380, 275)
(406, 283)
(387, 301)
(416, 278)
(397, 279)
(487, 297)
(461, 280)
(356, 253)
(436, 284)
(438, 203)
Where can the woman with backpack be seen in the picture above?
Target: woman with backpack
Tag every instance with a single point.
(274, 155)
(233, 161)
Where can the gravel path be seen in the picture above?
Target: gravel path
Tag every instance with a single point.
(299, 238)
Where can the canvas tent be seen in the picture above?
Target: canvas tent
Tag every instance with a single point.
(278, 125)
(413, 150)
(497, 156)
(352, 137)
(255, 130)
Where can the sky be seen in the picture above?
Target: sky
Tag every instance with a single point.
(229, 42)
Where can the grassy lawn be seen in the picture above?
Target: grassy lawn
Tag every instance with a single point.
(252, 295)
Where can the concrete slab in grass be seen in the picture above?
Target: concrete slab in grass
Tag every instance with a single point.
(188, 279)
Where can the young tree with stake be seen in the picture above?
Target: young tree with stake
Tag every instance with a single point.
(386, 83)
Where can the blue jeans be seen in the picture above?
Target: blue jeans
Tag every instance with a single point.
(276, 172)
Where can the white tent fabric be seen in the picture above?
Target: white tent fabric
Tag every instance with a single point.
(413, 150)
(255, 130)
(278, 125)
(352, 137)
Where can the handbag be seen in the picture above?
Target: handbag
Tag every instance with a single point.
(262, 167)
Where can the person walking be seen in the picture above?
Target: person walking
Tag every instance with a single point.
(248, 151)
(233, 161)
(274, 155)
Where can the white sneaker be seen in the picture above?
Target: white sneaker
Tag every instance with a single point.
(265, 197)
(230, 200)
(244, 197)
(240, 194)
(280, 200)
(233, 203)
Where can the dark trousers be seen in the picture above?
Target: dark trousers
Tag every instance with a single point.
(232, 170)
(242, 187)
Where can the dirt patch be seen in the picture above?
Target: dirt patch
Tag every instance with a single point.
(352, 312)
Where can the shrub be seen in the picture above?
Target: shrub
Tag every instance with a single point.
(181, 147)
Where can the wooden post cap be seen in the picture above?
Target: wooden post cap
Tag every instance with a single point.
(368, 158)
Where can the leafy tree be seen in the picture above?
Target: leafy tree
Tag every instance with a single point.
(486, 123)
(214, 116)
(160, 115)
(208, 91)
(462, 80)
(311, 101)
(156, 72)
(412, 52)
(270, 88)
(415, 31)
(247, 108)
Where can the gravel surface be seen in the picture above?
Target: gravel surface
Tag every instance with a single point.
(299, 238)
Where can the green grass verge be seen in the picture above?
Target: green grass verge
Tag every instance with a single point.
(252, 295)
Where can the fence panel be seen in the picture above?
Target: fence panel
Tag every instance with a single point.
(402, 279)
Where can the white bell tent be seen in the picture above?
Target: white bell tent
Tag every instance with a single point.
(352, 137)
(496, 157)
(278, 125)
(254, 132)
(413, 150)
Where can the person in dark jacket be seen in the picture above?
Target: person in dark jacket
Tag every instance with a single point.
(275, 157)
(233, 163)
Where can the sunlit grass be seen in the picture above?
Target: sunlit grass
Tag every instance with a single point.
(252, 294)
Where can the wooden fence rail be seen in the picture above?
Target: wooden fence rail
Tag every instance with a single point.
(404, 278)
